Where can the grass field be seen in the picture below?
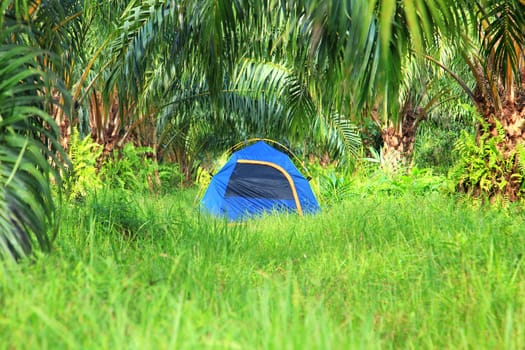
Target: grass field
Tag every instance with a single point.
(144, 272)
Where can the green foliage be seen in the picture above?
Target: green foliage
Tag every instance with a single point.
(84, 176)
(202, 181)
(432, 149)
(503, 39)
(241, 88)
(484, 166)
(115, 212)
(520, 154)
(28, 140)
(170, 178)
(437, 135)
(338, 136)
(333, 188)
(329, 184)
(134, 169)
(379, 272)
(334, 185)
(416, 181)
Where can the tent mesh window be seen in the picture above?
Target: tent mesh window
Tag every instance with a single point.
(258, 181)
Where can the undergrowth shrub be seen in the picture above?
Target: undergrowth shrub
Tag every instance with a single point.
(334, 188)
(115, 211)
(432, 150)
(437, 134)
(485, 168)
(205, 173)
(134, 169)
(84, 176)
(415, 181)
(332, 185)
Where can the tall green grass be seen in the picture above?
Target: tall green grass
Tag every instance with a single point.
(144, 272)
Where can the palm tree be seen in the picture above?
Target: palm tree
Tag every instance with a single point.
(498, 67)
(493, 50)
(371, 41)
(228, 68)
(375, 50)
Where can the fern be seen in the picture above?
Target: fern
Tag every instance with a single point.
(520, 156)
(84, 154)
(483, 168)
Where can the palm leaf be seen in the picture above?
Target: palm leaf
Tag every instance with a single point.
(340, 135)
(503, 37)
(26, 204)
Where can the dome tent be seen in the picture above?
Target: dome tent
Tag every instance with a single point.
(258, 179)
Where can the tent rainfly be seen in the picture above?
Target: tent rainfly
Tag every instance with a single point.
(258, 179)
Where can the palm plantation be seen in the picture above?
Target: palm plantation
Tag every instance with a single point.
(180, 78)
(111, 113)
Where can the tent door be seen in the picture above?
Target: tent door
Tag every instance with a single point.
(273, 182)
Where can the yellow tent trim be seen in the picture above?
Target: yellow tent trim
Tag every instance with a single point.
(255, 139)
(282, 171)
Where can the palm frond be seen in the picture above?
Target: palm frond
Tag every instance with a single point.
(26, 203)
(503, 37)
(340, 135)
(142, 26)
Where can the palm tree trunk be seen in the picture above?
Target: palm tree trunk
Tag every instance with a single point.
(510, 119)
(105, 122)
(398, 142)
(61, 118)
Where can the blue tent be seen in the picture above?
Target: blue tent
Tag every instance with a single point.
(258, 179)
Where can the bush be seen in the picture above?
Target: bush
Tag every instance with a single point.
(485, 169)
(329, 184)
(115, 211)
(84, 177)
(134, 169)
(415, 181)
(436, 137)
(433, 151)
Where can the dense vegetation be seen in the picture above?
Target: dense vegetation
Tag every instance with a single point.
(399, 271)
(408, 115)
